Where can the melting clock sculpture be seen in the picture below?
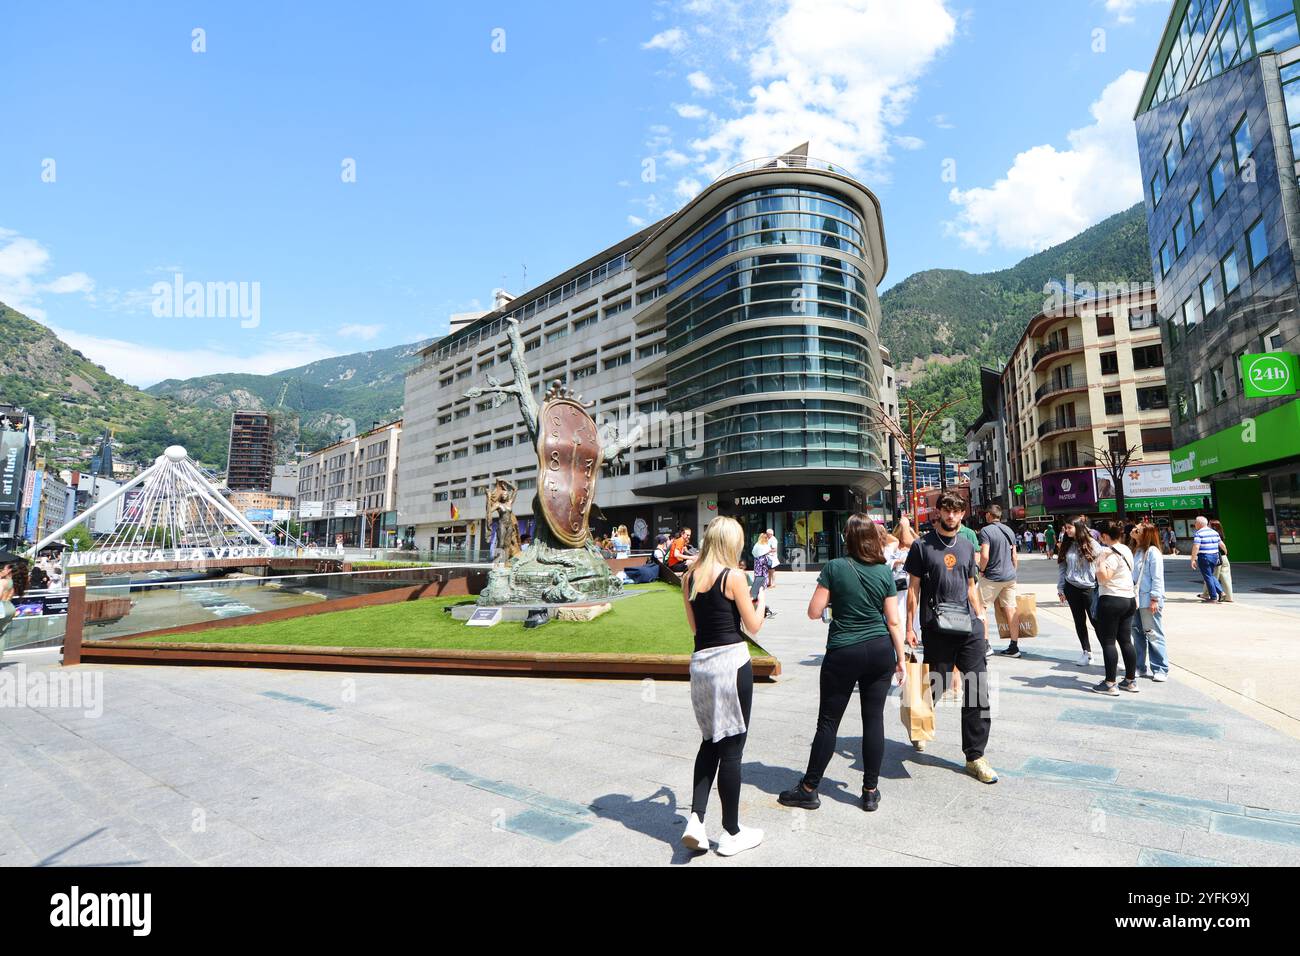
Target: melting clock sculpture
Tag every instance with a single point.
(563, 564)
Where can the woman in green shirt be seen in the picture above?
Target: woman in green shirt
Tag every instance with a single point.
(864, 649)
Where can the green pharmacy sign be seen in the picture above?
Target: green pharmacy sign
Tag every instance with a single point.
(1269, 374)
(1019, 490)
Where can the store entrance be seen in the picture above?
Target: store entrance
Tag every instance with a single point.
(805, 538)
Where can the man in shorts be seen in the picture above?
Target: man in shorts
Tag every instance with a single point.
(999, 564)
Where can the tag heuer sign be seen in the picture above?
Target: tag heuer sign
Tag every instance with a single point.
(568, 458)
(1269, 374)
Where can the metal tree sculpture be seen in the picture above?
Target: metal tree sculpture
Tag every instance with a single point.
(1116, 462)
(913, 437)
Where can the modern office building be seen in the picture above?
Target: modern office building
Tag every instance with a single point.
(250, 459)
(1087, 378)
(349, 488)
(742, 331)
(1217, 130)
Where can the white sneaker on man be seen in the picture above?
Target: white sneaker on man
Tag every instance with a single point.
(746, 838)
(1160, 677)
(695, 837)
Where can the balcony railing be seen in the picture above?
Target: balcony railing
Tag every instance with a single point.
(1052, 388)
(786, 161)
(1067, 463)
(1163, 444)
(1078, 423)
(1057, 346)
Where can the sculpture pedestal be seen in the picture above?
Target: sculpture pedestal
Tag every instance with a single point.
(547, 575)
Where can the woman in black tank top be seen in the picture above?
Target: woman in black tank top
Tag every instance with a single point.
(722, 681)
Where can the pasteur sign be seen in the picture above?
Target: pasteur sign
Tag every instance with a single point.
(568, 460)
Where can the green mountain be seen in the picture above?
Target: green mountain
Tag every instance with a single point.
(942, 324)
(364, 387)
(57, 384)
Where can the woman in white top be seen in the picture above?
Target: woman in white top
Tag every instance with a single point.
(1116, 608)
(622, 542)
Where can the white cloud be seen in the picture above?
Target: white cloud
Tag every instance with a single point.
(700, 81)
(909, 142)
(941, 121)
(354, 330)
(144, 365)
(675, 158)
(690, 111)
(837, 73)
(671, 40)
(23, 265)
(635, 221)
(687, 189)
(1049, 195)
(1124, 9)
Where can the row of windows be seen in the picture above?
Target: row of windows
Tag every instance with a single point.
(770, 230)
(774, 277)
(1270, 25)
(1242, 151)
(1220, 283)
(734, 462)
(1212, 388)
(761, 202)
(765, 355)
(836, 376)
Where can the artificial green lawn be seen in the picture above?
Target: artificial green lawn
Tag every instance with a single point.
(652, 622)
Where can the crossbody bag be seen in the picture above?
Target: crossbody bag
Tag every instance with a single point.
(951, 618)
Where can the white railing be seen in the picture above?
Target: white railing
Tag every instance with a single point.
(785, 161)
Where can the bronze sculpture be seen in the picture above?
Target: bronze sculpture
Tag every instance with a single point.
(563, 564)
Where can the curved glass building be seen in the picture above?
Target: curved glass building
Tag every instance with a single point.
(741, 332)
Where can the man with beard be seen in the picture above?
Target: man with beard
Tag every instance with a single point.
(941, 570)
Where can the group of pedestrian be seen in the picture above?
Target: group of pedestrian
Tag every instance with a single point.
(872, 622)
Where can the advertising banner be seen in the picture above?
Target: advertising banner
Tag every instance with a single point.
(258, 514)
(13, 460)
(1149, 481)
(1070, 490)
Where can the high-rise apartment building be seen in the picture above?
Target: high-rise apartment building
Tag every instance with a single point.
(250, 459)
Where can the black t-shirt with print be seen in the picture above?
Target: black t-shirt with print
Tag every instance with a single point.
(945, 567)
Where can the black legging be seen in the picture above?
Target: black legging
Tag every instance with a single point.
(870, 666)
(1080, 600)
(1115, 626)
(723, 760)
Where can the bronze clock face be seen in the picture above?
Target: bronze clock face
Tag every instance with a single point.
(568, 461)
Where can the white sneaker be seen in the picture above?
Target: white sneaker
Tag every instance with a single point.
(1085, 659)
(746, 839)
(1160, 677)
(695, 837)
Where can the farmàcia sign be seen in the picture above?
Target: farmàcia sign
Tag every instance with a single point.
(1269, 374)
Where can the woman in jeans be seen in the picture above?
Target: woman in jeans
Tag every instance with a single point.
(1116, 608)
(864, 649)
(1076, 581)
(722, 680)
(1148, 622)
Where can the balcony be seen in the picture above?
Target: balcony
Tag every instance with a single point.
(1162, 444)
(1057, 388)
(1063, 345)
(1067, 463)
(1055, 427)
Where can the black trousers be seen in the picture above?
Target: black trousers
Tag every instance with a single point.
(1115, 627)
(1080, 601)
(869, 666)
(942, 653)
(723, 761)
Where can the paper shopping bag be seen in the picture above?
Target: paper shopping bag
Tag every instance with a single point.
(916, 709)
(1027, 607)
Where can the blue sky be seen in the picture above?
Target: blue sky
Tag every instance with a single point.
(496, 137)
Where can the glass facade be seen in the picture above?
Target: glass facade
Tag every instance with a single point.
(773, 335)
(1235, 277)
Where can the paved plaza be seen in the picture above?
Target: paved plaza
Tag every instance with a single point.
(249, 766)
